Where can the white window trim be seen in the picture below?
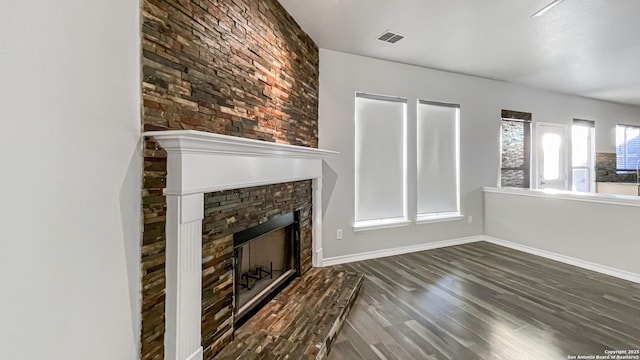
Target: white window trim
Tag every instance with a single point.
(438, 217)
(380, 224)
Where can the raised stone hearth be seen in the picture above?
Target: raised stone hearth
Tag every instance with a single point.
(301, 321)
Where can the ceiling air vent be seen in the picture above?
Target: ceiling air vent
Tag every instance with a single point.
(390, 37)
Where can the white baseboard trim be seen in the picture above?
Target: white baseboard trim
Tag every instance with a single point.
(607, 270)
(621, 274)
(317, 258)
(343, 259)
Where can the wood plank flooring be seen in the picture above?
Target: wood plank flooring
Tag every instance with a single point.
(301, 322)
(483, 301)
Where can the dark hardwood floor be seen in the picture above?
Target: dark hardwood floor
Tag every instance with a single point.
(483, 301)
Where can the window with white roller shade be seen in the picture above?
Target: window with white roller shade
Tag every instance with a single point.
(438, 186)
(627, 149)
(380, 160)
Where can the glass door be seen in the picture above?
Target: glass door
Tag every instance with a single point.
(552, 157)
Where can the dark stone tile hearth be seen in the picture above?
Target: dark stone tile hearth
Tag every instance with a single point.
(301, 322)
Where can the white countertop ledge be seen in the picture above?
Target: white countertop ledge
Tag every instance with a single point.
(627, 200)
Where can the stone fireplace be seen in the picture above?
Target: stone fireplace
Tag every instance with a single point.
(203, 169)
(229, 214)
(242, 68)
(265, 257)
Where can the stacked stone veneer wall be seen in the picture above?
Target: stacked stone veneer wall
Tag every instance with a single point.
(606, 169)
(512, 153)
(234, 67)
(514, 148)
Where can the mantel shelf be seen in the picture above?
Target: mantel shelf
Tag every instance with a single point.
(192, 141)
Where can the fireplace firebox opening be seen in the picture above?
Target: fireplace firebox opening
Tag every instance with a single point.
(265, 258)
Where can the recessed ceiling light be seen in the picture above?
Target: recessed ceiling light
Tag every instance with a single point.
(550, 6)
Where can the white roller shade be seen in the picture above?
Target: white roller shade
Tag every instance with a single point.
(379, 158)
(437, 147)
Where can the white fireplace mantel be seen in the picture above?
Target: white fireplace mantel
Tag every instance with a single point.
(200, 162)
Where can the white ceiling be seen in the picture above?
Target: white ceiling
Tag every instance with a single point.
(584, 47)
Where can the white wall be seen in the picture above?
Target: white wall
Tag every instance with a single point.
(70, 179)
(481, 100)
(577, 226)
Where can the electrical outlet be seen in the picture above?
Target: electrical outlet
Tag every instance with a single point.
(470, 219)
(339, 234)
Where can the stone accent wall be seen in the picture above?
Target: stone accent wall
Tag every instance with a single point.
(154, 209)
(228, 212)
(234, 67)
(606, 169)
(512, 153)
(515, 163)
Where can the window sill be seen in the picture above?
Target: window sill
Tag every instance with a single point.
(436, 218)
(380, 224)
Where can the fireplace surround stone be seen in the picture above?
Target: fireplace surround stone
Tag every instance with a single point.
(231, 211)
(199, 163)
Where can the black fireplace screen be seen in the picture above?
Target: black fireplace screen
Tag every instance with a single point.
(265, 257)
